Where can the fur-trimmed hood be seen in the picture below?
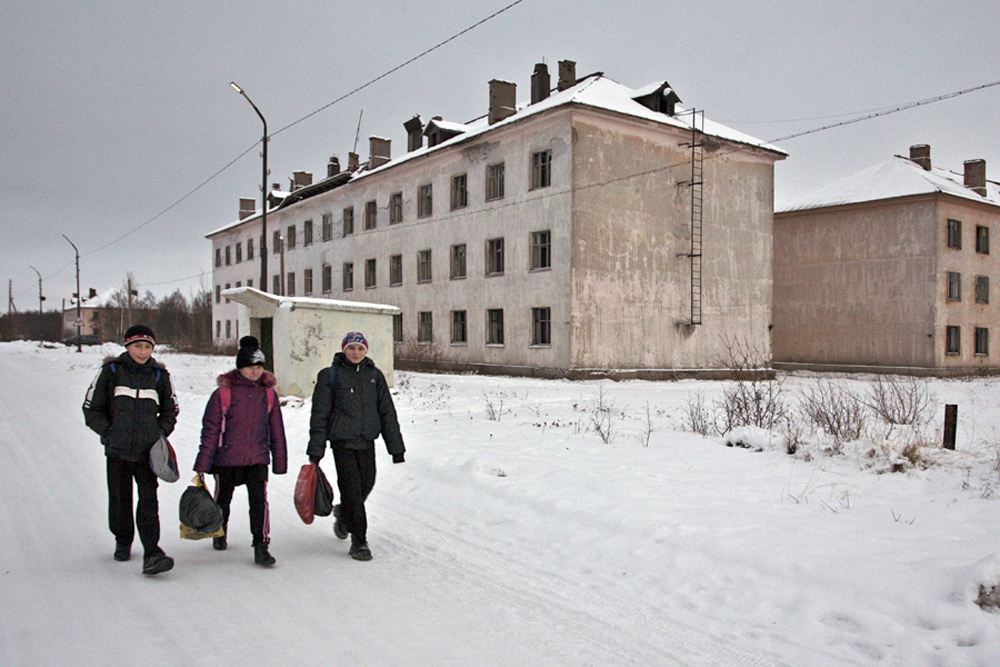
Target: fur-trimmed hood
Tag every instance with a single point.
(232, 378)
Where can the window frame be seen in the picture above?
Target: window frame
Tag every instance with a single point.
(541, 169)
(307, 232)
(954, 234)
(307, 282)
(371, 273)
(495, 181)
(347, 277)
(952, 340)
(348, 220)
(982, 289)
(371, 214)
(425, 268)
(981, 338)
(459, 327)
(327, 227)
(495, 256)
(982, 239)
(425, 327)
(459, 191)
(541, 251)
(395, 208)
(395, 270)
(290, 237)
(541, 326)
(326, 279)
(494, 327)
(425, 200)
(954, 290)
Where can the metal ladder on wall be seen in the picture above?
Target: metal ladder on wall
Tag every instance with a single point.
(697, 199)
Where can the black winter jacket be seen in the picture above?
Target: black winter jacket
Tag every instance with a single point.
(354, 413)
(129, 405)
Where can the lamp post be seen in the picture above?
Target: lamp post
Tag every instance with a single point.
(79, 321)
(40, 299)
(263, 193)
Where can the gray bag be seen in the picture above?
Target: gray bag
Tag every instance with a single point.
(163, 461)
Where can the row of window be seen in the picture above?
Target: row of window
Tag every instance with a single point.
(955, 287)
(953, 340)
(540, 259)
(541, 327)
(955, 236)
(541, 177)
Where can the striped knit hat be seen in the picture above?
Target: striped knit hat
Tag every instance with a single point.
(139, 333)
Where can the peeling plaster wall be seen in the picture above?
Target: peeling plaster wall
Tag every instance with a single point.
(631, 278)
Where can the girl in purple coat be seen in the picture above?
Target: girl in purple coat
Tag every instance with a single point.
(237, 446)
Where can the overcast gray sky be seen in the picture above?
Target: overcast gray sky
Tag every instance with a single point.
(114, 111)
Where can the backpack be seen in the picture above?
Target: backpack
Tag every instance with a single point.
(226, 397)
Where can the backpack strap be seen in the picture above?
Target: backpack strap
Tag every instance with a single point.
(333, 376)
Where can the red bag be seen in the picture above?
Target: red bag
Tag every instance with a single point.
(305, 492)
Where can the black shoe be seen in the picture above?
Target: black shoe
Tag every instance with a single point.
(219, 543)
(339, 529)
(123, 552)
(360, 550)
(261, 555)
(157, 563)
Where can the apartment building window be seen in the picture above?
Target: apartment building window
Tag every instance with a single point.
(982, 341)
(954, 286)
(249, 248)
(954, 234)
(227, 287)
(276, 285)
(425, 327)
(424, 266)
(541, 169)
(370, 281)
(982, 239)
(239, 252)
(459, 191)
(348, 221)
(982, 289)
(371, 215)
(397, 328)
(290, 284)
(953, 340)
(229, 329)
(494, 257)
(228, 255)
(348, 276)
(290, 237)
(494, 181)
(250, 282)
(541, 250)
(425, 201)
(541, 327)
(218, 293)
(307, 282)
(307, 232)
(238, 283)
(459, 328)
(395, 270)
(395, 208)
(218, 257)
(458, 261)
(327, 279)
(276, 243)
(327, 226)
(218, 328)
(494, 326)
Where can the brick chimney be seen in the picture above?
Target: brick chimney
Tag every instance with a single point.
(567, 74)
(414, 134)
(247, 208)
(379, 150)
(540, 83)
(921, 154)
(975, 176)
(300, 179)
(352, 162)
(503, 100)
(333, 166)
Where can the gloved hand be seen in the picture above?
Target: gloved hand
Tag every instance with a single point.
(397, 458)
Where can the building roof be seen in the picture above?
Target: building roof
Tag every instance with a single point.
(596, 91)
(896, 177)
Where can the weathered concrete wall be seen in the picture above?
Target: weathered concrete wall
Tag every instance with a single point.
(631, 277)
(856, 285)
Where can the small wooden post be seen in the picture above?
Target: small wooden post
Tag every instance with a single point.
(950, 425)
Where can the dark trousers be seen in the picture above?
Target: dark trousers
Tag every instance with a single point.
(254, 477)
(355, 479)
(147, 517)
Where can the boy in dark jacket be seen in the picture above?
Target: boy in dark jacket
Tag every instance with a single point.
(351, 406)
(130, 404)
(254, 436)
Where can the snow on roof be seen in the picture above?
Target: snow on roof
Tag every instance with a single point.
(447, 125)
(101, 300)
(896, 177)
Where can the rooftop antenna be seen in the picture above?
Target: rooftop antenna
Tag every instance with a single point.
(358, 133)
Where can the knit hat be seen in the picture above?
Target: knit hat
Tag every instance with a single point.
(354, 337)
(249, 354)
(139, 333)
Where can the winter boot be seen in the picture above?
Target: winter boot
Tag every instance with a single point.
(339, 529)
(157, 563)
(123, 551)
(261, 556)
(359, 549)
(219, 543)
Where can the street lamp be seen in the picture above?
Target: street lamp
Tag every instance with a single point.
(263, 194)
(40, 299)
(79, 320)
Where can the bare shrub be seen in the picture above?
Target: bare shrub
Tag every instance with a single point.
(831, 407)
(603, 414)
(494, 406)
(648, 428)
(698, 417)
(756, 397)
(899, 400)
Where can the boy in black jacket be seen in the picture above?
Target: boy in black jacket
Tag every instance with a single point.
(351, 407)
(130, 404)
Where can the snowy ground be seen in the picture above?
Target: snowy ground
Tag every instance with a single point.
(520, 541)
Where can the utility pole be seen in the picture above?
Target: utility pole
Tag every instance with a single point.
(40, 299)
(79, 317)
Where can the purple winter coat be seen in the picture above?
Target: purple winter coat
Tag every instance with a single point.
(252, 435)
